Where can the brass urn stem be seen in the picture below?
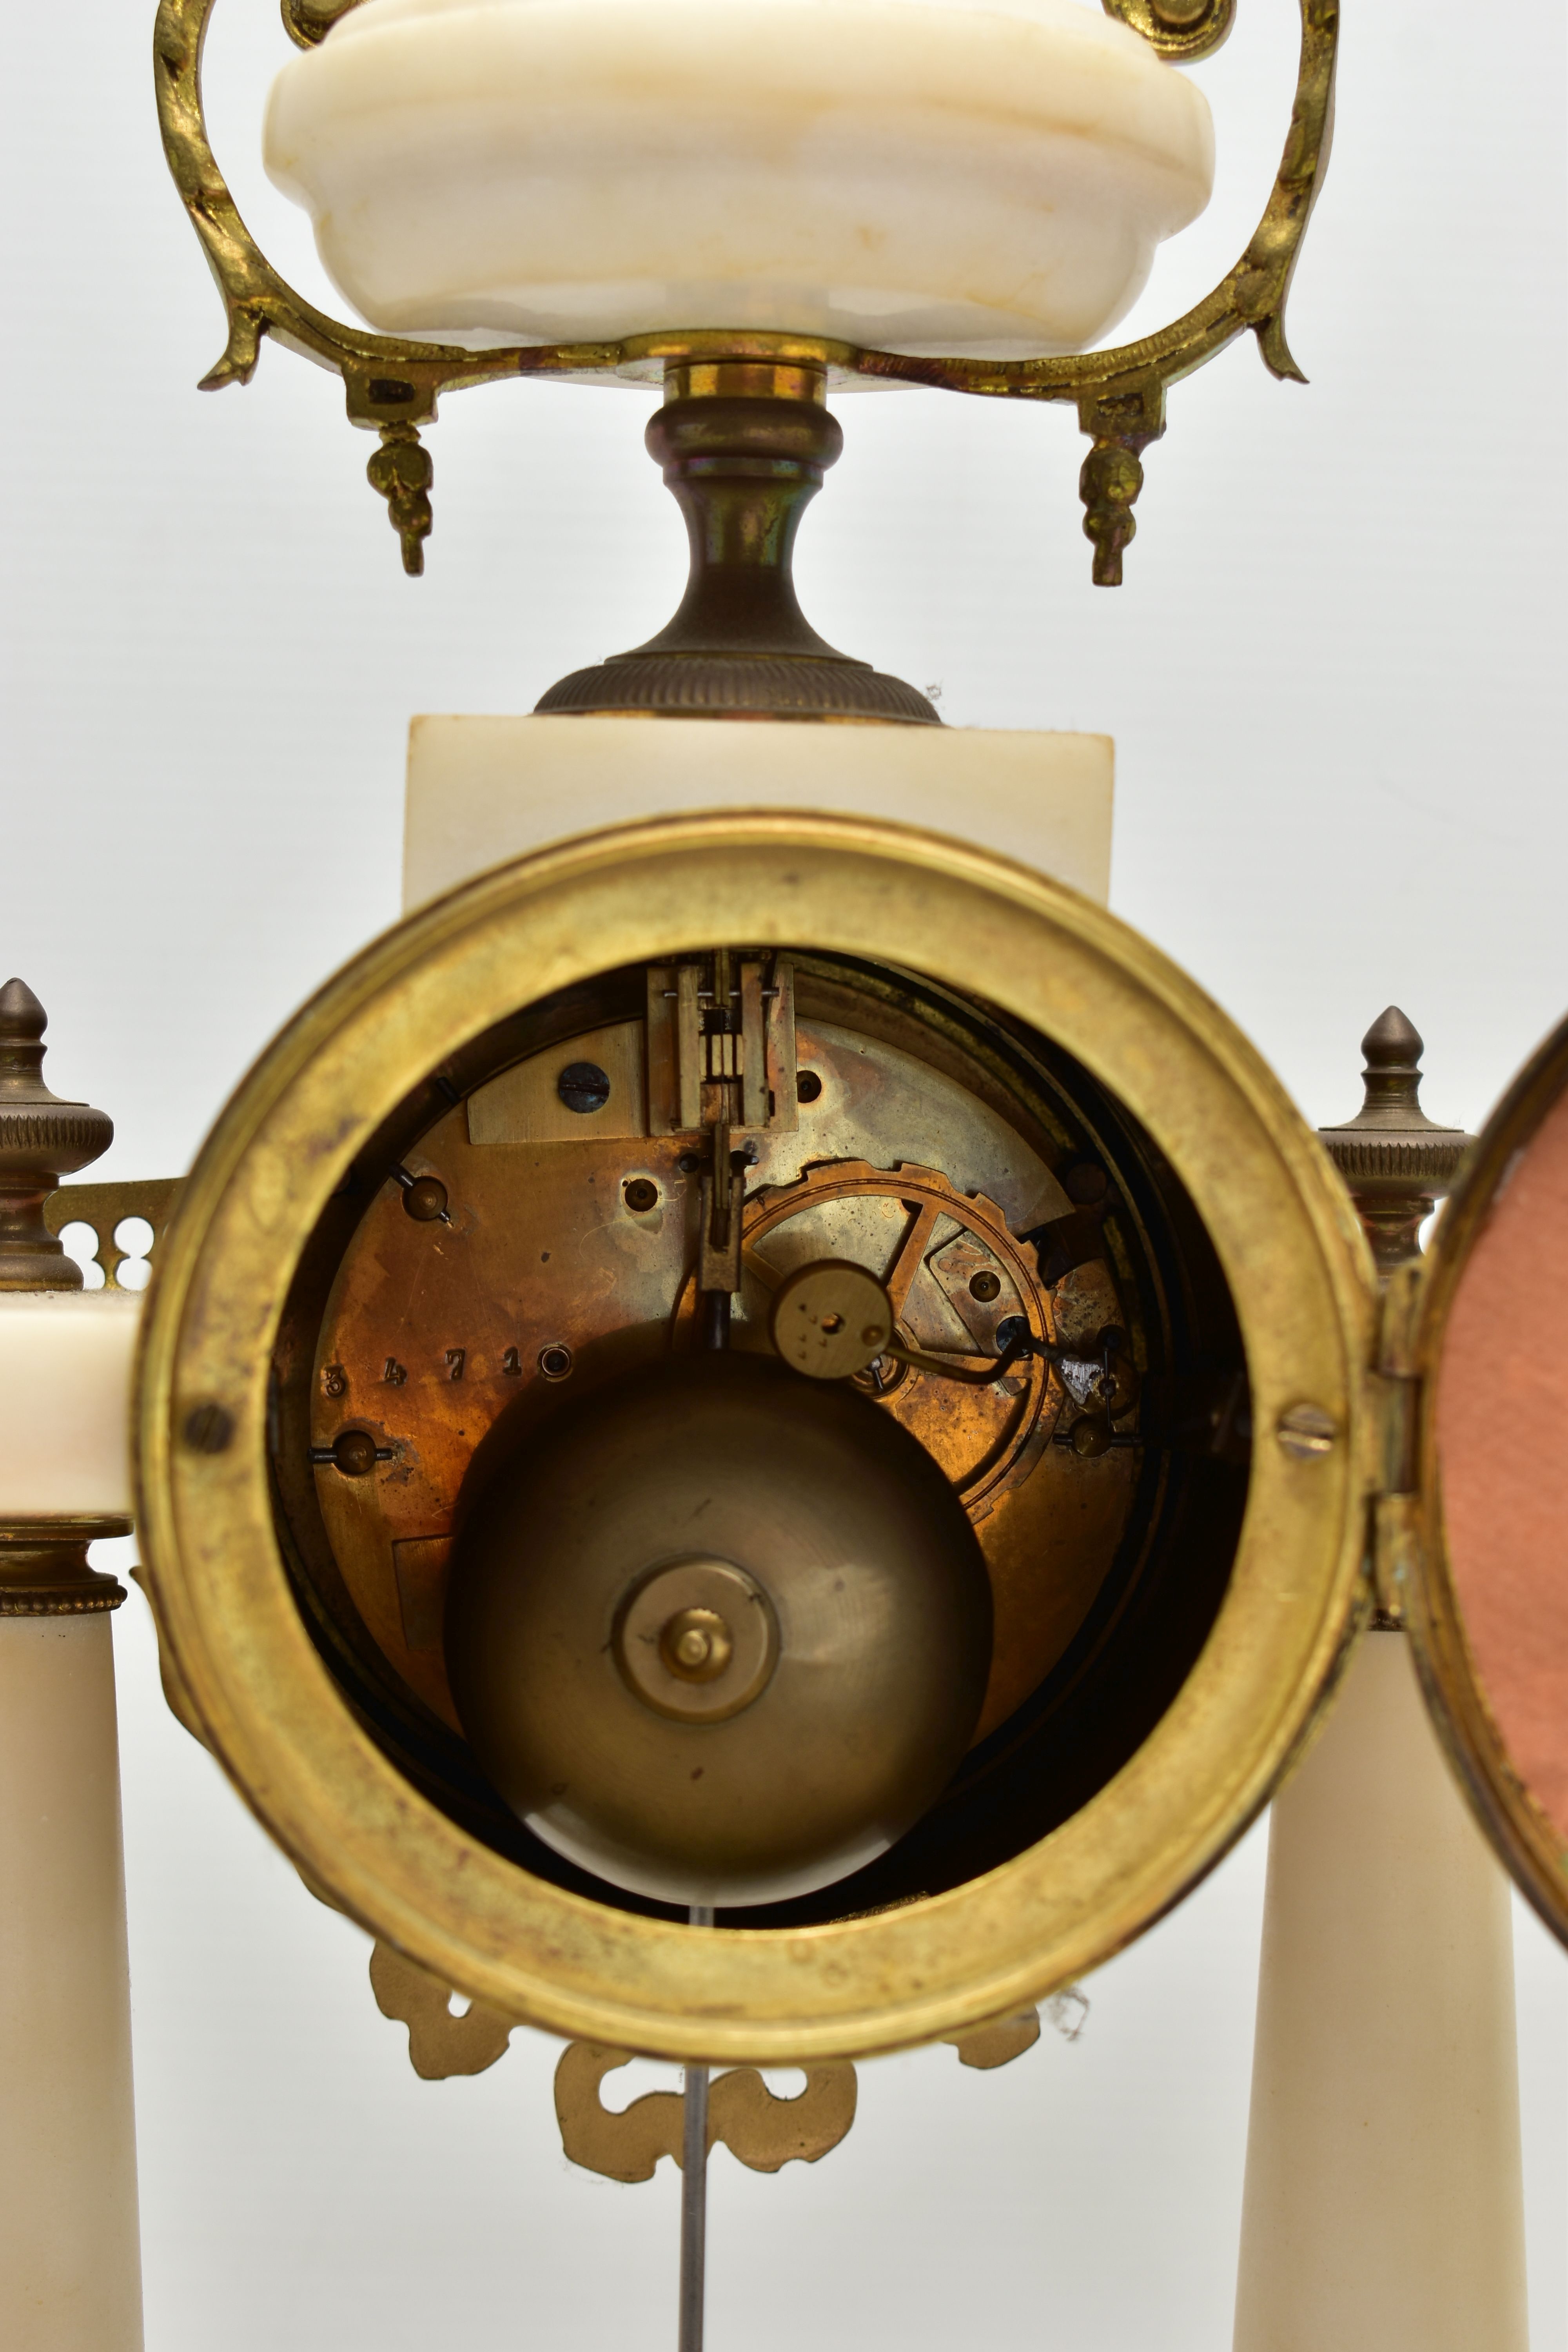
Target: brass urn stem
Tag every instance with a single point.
(743, 455)
(743, 446)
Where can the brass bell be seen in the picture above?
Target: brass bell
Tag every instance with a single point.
(719, 1634)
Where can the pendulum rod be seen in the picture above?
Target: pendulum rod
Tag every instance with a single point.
(694, 2189)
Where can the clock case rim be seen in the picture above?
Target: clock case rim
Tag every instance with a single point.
(1298, 1592)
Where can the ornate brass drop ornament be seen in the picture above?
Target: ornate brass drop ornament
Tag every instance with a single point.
(393, 385)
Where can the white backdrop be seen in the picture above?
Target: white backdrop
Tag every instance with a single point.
(1335, 681)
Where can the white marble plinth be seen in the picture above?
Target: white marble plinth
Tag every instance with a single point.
(483, 790)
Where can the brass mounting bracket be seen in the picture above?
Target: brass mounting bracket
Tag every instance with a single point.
(393, 385)
(1182, 30)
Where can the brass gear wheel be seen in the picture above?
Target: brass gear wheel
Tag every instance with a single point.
(954, 1273)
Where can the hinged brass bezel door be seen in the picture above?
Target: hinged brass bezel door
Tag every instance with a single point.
(1416, 1561)
(1278, 1220)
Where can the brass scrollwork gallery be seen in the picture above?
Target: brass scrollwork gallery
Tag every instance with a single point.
(440, 2042)
(761, 2131)
(105, 1208)
(393, 385)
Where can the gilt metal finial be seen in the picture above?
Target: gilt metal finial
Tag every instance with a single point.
(401, 469)
(1397, 1162)
(42, 1139)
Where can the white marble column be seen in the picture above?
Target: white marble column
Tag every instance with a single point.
(70, 2273)
(1383, 2205)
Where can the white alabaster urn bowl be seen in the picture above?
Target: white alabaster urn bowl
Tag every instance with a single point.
(985, 177)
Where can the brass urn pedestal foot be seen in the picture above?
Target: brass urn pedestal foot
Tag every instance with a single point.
(744, 445)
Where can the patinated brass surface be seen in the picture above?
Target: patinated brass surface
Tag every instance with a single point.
(1298, 1273)
(393, 385)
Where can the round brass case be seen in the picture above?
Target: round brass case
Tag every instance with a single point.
(742, 1728)
(1279, 1221)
